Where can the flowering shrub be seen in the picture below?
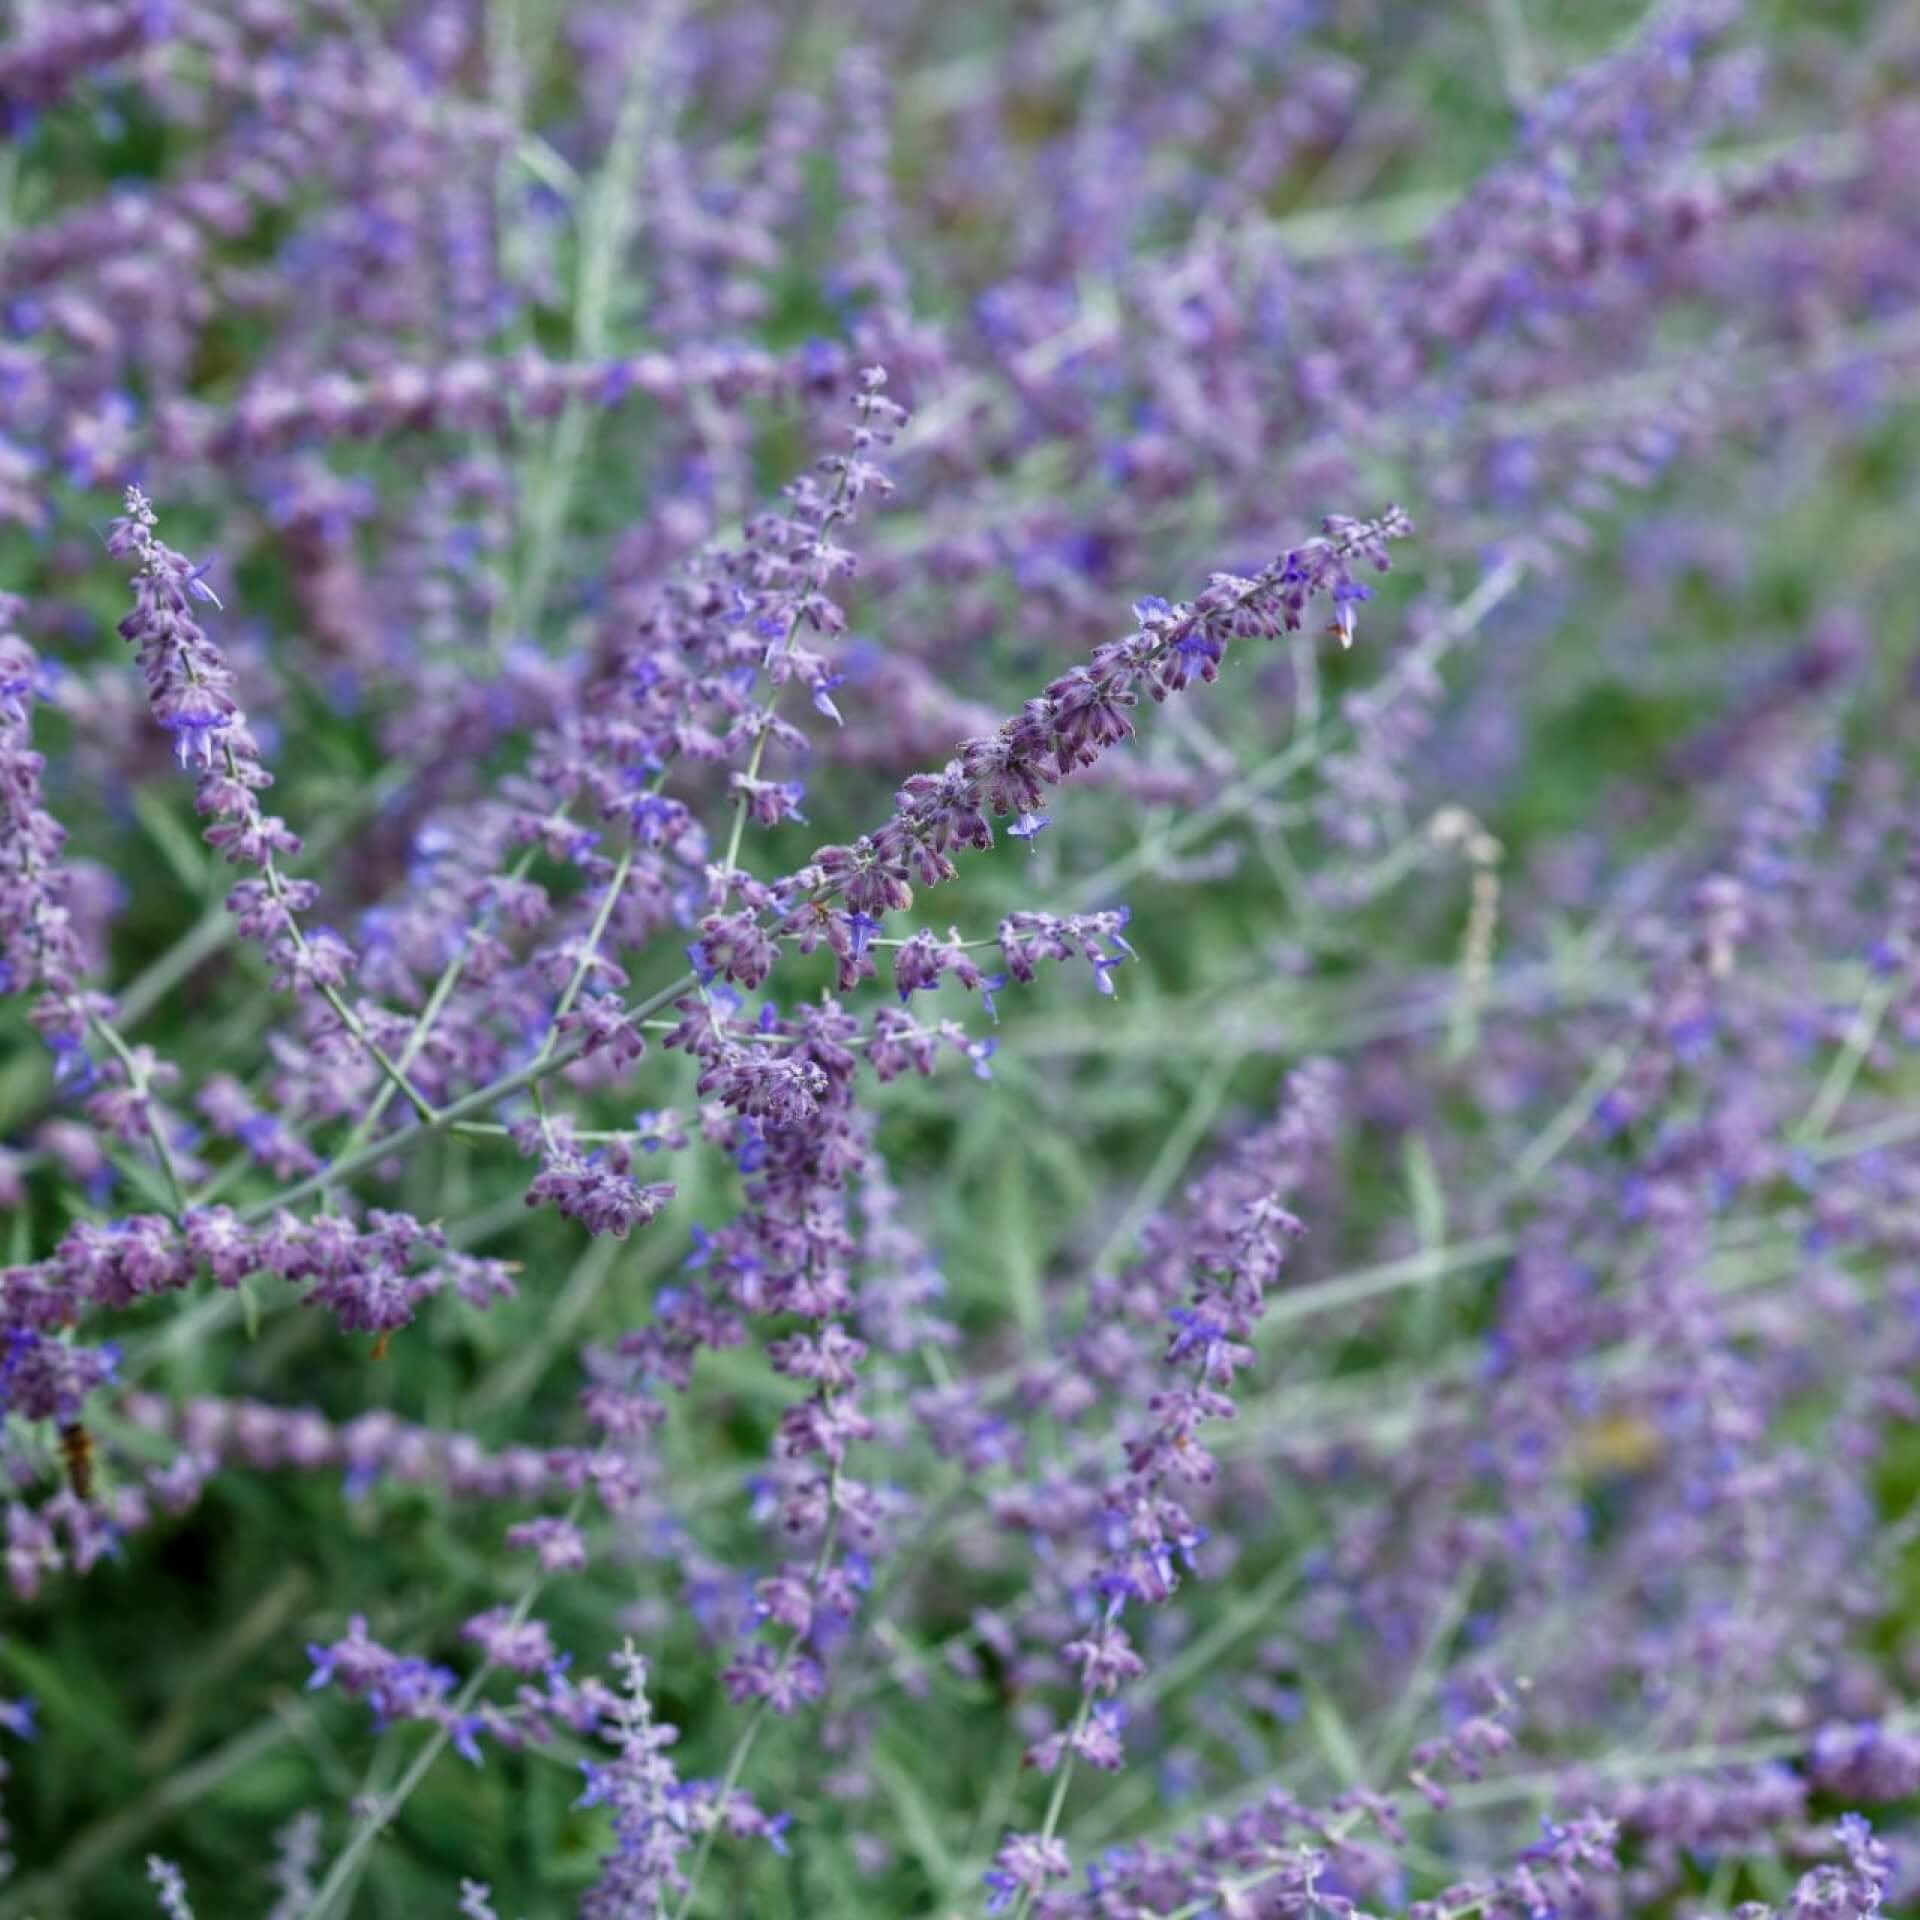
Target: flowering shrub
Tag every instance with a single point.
(823, 1093)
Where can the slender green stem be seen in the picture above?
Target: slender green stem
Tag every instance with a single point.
(606, 228)
(332, 996)
(442, 991)
(98, 1845)
(387, 1807)
(743, 1746)
(493, 1130)
(436, 1002)
(1519, 65)
(1894, 1131)
(270, 872)
(595, 935)
(1057, 1800)
(1175, 1151)
(963, 946)
(1244, 1615)
(1311, 745)
(582, 968)
(1862, 1031)
(465, 1108)
(1559, 1132)
(215, 927)
(137, 1079)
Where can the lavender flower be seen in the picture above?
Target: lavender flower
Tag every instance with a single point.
(40, 946)
(169, 1888)
(915, 1433)
(651, 1819)
(42, 66)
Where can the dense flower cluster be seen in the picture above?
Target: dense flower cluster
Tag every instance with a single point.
(42, 945)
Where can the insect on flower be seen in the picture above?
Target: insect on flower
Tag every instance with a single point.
(76, 1457)
(1345, 597)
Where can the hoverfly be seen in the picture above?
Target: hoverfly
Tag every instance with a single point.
(76, 1456)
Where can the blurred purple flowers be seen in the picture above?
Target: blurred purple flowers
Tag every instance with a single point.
(1376, 1377)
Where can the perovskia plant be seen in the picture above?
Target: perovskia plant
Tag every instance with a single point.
(991, 1241)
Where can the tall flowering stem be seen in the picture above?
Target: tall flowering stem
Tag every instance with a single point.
(1003, 773)
(448, 1725)
(853, 476)
(1230, 1260)
(190, 692)
(41, 948)
(771, 1693)
(650, 1813)
(138, 1064)
(1080, 717)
